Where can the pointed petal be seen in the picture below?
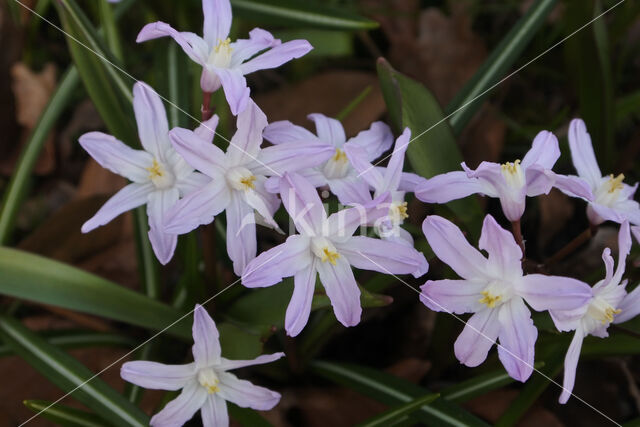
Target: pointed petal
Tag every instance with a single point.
(235, 89)
(375, 140)
(504, 253)
(358, 157)
(286, 132)
(303, 204)
(241, 233)
(584, 159)
(396, 163)
(329, 130)
(574, 186)
(409, 182)
(553, 292)
(539, 180)
(512, 199)
(342, 290)
(245, 144)
(263, 207)
(624, 248)
(217, 21)
(281, 261)
(544, 151)
(117, 157)
(198, 208)
(276, 56)
(244, 49)
(291, 157)
(450, 245)
(342, 224)
(193, 182)
(214, 412)
(448, 186)
(228, 365)
(207, 129)
(206, 339)
(517, 339)
(157, 376)
(182, 408)
(382, 256)
(629, 307)
(201, 155)
(245, 394)
(195, 47)
(570, 366)
(453, 296)
(151, 117)
(129, 197)
(163, 243)
(350, 190)
(477, 337)
(299, 307)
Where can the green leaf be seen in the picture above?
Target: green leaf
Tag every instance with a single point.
(247, 417)
(392, 390)
(307, 13)
(393, 415)
(464, 105)
(238, 342)
(69, 374)
(34, 278)
(433, 149)
(64, 415)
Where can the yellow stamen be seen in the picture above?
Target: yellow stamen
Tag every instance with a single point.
(329, 255)
(223, 44)
(155, 171)
(615, 184)
(512, 168)
(402, 210)
(340, 156)
(608, 315)
(489, 299)
(248, 182)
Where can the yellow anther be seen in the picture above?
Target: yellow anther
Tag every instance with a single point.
(340, 156)
(615, 184)
(489, 299)
(329, 255)
(155, 171)
(223, 44)
(512, 168)
(248, 182)
(402, 210)
(213, 388)
(608, 315)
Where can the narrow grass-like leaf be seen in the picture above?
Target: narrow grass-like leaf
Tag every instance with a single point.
(495, 67)
(68, 373)
(64, 415)
(392, 390)
(396, 413)
(34, 278)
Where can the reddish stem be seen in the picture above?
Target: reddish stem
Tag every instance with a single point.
(516, 230)
(570, 247)
(207, 110)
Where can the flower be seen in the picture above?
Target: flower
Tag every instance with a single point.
(225, 63)
(159, 176)
(510, 182)
(613, 199)
(337, 172)
(609, 303)
(327, 247)
(495, 290)
(237, 184)
(205, 383)
(387, 179)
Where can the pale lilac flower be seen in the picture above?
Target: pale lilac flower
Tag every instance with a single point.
(238, 179)
(159, 176)
(205, 383)
(384, 180)
(510, 182)
(609, 303)
(326, 247)
(613, 199)
(495, 290)
(225, 63)
(337, 172)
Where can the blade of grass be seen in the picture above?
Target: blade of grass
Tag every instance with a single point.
(395, 414)
(64, 415)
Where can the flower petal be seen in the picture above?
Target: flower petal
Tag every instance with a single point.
(245, 144)
(228, 365)
(284, 131)
(299, 307)
(383, 256)
(570, 366)
(262, 206)
(244, 49)
(291, 157)
(157, 376)
(182, 408)
(235, 90)
(359, 159)
(192, 182)
(350, 190)
(574, 186)
(584, 159)
(195, 47)
(303, 204)
(342, 224)
(207, 129)
(281, 261)
(163, 243)
(375, 140)
(329, 130)
(214, 412)
(553, 292)
(453, 296)
(117, 157)
(342, 290)
(129, 197)
(206, 339)
(198, 208)
(448, 186)
(217, 21)
(245, 394)
(477, 337)
(276, 56)
(241, 233)
(396, 162)
(629, 307)
(151, 117)
(544, 151)
(201, 155)
(539, 180)
(517, 339)
(504, 253)
(450, 245)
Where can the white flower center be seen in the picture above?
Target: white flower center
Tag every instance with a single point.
(609, 190)
(337, 166)
(324, 249)
(398, 212)
(220, 56)
(513, 174)
(160, 175)
(241, 179)
(209, 380)
(496, 294)
(600, 310)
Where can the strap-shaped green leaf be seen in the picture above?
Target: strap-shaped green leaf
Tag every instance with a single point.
(64, 415)
(396, 413)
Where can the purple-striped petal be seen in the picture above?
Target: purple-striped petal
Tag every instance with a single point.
(350, 190)
(570, 366)
(629, 307)
(151, 117)
(574, 186)
(235, 90)
(182, 408)
(281, 261)
(544, 151)
(303, 204)
(584, 159)
(241, 233)
(163, 243)
(214, 411)
(553, 292)
(217, 21)
(195, 47)
(157, 376)
(228, 365)
(207, 129)
(342, 224)
(329, 130)
(201, 155)
(448, 186)
(358, 158)
(192, 182)
(198, 208)
(117, 157)
(245, 394)
(284, 131)
(276, 56)
(517, 339)
(538, 180)
(504, 253)
(245, 144)
(129, 197)
(453, 296)
(244, 49)
(299, 307)
(477, 337)
(375, 140)
(396, 163)
(206, 339)
(342, 290)
(291, 157)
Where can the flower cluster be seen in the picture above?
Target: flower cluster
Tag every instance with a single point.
(186, 180)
